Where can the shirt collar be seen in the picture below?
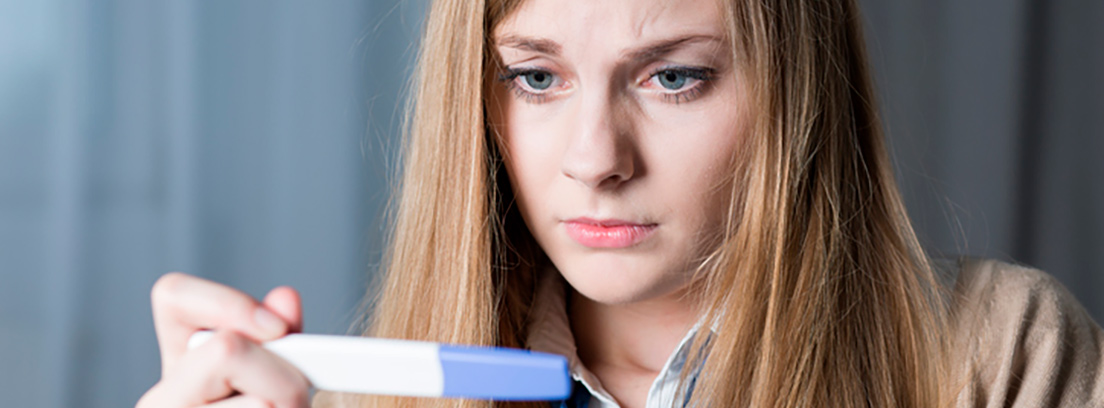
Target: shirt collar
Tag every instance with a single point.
(550, 332)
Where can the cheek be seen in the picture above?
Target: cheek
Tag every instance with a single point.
(696, 153)
(696, 167)
(530, 146)
(531, 156)
(698, 187)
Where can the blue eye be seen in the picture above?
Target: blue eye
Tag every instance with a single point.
(671, 80)
(680, 84)
(538, 80)
(534, 85)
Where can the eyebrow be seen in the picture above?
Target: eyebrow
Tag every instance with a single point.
(663, 47)
(649, 51)
(540, 45)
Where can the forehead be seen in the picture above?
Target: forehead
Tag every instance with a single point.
(617, 23)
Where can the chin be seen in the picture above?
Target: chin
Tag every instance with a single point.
(611, 295)
(618, 285)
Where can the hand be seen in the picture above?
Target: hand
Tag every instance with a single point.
(231, 369)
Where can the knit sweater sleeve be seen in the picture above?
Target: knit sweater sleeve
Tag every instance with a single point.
(1022, 340)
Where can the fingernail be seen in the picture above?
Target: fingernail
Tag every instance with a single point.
(268, 322)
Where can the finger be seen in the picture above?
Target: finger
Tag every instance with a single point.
(153, 398)
(240, 401)
(183, 304)
(284, 301)
(230, 364)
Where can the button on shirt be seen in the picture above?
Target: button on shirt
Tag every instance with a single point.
(550, 332)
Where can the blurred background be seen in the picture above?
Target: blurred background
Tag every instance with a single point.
(250, 143)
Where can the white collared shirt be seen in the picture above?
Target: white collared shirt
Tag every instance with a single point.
(550, 332)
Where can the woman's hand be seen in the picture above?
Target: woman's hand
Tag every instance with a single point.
(231, 369)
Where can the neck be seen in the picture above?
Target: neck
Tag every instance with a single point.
(637, 336)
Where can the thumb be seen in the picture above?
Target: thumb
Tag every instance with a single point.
(284, 302)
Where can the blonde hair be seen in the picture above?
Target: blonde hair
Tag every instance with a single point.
(820, 292)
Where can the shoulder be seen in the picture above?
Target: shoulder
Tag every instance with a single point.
(1000, 289)
(992, 297)
(1021, 339)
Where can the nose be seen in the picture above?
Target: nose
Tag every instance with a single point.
(600, 153)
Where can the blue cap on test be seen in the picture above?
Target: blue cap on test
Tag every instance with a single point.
(503, 374)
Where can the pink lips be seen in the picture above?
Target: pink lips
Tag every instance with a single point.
(607, 233)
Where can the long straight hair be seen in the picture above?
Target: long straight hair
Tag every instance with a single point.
(819, 292)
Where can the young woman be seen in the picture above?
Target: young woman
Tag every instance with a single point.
(690, 199)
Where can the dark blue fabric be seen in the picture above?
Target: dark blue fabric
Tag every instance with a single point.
(580, 398)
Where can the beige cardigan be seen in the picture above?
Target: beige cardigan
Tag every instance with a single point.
(1023, 340)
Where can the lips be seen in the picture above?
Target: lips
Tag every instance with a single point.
(607, 233)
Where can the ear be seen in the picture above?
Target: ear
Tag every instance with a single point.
(284, 302)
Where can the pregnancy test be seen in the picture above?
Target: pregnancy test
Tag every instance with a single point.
(416, 368)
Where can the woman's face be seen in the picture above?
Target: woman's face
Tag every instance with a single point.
(619, 120)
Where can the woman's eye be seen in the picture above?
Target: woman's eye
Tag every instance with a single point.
(538, 80)
(680, 84)
(671, 80)
(531, 84)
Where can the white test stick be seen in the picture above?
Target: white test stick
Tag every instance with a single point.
(415, 368)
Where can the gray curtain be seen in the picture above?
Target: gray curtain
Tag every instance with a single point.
(243, 141)
(995, 110)
(248, 142)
